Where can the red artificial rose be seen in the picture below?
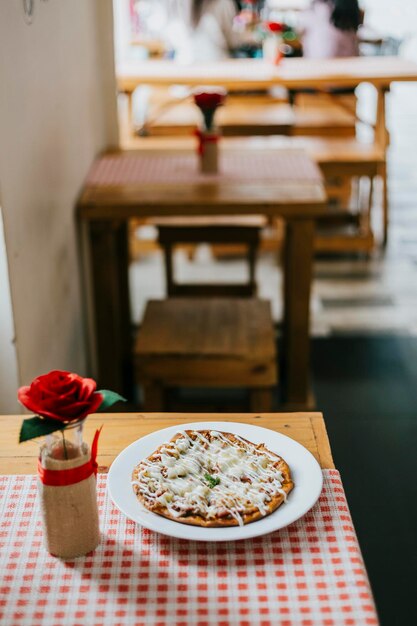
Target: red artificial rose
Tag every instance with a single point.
(209, 100)
(275, 27)
(61, 396)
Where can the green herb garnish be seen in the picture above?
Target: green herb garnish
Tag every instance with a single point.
(211, 480)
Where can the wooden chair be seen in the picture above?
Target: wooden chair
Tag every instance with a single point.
(241, 234)
(209, 342)
(219, 336)
(344, 160)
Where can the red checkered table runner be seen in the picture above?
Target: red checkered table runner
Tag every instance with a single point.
(182, 168)
(308, 574)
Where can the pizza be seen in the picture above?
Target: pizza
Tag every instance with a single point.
(212, 479)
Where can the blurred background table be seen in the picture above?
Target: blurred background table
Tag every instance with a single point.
(126, 184)
(239, 74)
(327, 79)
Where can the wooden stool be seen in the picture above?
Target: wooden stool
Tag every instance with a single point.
(213, 342)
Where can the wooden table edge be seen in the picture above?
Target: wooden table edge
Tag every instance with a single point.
(95, 211)
(16, 454)
(322, 439)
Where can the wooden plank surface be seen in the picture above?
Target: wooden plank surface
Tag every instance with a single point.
(206, 343)
(293, 196)
(121, 429)
(256, 74)
(236, 117)
(225, 327)
(127, 201)
(320, 149)
(245, 115)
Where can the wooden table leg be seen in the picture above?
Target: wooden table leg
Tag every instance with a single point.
(129, 96)
(111, 306)
(298, 263)
(382, 141)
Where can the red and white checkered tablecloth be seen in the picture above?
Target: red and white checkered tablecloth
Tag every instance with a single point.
(182, 168)
(308, 574)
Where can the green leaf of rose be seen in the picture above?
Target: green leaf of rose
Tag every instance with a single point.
(109, 398)
(38, 427)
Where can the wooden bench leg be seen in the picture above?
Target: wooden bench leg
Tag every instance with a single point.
(154, 397)
(129, 96)
(261, 400)
(382, 171)
(365, 209)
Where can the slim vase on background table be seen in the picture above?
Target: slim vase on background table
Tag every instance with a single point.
(208, 151)
(208, 136)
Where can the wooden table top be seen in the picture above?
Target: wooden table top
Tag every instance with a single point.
(256, 74)
(157, 183)
(121, 429)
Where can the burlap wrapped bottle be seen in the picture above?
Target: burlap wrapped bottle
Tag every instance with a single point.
(67, 492)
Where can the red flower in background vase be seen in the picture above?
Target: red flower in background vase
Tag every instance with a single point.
(275, 27)
(208, 102)
(209, 99)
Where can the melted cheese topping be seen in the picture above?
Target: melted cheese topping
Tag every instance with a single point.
(213, 478)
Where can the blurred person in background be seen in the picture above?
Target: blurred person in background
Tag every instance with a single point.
(203, 30)
(329, 29)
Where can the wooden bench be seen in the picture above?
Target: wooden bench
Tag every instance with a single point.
(206, 343)
(324, 115)
(254, 115)
(240, 116)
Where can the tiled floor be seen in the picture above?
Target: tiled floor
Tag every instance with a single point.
(350, 295)
(367, 389)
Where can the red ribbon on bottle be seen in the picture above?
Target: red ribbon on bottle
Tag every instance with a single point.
(65, 477)
(204, 138)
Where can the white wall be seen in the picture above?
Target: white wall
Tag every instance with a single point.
(57, 111)
(8, 360)
(396, 18)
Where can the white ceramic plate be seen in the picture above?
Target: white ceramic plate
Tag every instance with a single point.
(305, 470)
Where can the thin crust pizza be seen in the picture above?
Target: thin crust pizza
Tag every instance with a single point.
(212, 479)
